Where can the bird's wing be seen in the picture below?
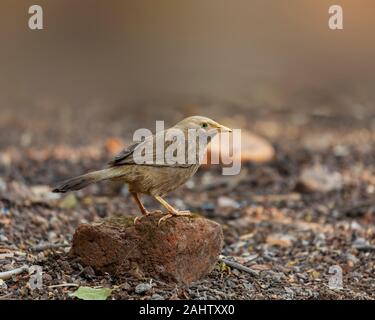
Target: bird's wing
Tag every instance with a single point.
(125, 156)
(147, 148)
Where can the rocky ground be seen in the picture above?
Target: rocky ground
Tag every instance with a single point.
(297, 221)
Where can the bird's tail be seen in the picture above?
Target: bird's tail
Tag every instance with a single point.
(84, 180)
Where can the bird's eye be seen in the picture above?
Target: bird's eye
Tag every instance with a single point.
(204, 125)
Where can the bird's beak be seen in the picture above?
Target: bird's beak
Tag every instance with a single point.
(224, 128)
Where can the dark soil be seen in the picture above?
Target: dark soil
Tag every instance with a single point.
(288, 234)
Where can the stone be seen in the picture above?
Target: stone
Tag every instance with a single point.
(157, 296)
(252, 148)
(281, 240)
(225, 202)
(114, 145)
(180, 250)
(319, 179)
(3, 186)
(43, 193)
(3, 285)
(143, 288)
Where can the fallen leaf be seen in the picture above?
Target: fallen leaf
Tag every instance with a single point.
(88, 200)
(5, 221)
(292, 263)
(280, 240)
(69, 202)
(320, 179)
(87, 293)
(222, 267)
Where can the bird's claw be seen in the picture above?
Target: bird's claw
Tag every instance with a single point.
(184, 213)
(138, 219)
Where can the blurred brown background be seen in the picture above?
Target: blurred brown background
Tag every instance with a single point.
(104, 68)
(303, 95)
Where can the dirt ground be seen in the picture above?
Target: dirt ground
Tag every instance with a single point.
(290, 220)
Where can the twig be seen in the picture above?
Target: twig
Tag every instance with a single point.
(3, 256)
(364, 247)
(64, 285)
(277, 197)
(238, 266)
(46, 246)
(9, 274)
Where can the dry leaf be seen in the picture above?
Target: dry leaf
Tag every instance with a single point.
(280, 240)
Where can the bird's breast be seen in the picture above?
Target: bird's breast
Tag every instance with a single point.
(160, 180)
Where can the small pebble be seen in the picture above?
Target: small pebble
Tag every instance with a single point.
(125, 286)
(89, 272)
(156, 296)
(3, 186)
(248, 286)
(142, 288)
(208, 206)
(3, 285)
(47, 277)
(352, 258)
(190, 184)
(65, 266)
(125, 190)
(359, 242)
(4, 211)
(226, 202)
(180, 204)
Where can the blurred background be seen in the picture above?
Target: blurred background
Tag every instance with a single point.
(104, 68)
(303, 95)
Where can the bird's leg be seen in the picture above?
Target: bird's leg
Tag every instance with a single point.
(144, 211)
(171, 211)
(140, 204)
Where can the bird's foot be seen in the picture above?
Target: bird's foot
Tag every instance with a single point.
(169, 215)
(145, 214)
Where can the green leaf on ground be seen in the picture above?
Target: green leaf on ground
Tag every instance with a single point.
(222, 267)
(87, 293)
(69, 202)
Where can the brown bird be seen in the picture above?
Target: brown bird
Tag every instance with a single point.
(158, 175)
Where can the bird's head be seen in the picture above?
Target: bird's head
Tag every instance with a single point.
(203, 124)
